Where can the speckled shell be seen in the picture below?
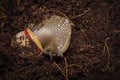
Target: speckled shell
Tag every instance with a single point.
(54, 34)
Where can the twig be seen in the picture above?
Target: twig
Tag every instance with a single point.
(66, 68)
(72, 65)
(86, 11)
(44, 9)
(117, 31)
(3, 17)
(2, 24)
(61, 71)
(106, 48)
(1, 8)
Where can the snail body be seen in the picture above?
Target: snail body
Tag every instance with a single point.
(53, 35)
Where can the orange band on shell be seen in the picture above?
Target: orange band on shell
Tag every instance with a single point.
(29, 34)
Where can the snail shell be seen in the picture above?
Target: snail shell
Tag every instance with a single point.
(53, 35)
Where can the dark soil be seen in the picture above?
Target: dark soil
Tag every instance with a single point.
(94, 52)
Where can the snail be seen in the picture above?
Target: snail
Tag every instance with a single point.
(52, 36)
